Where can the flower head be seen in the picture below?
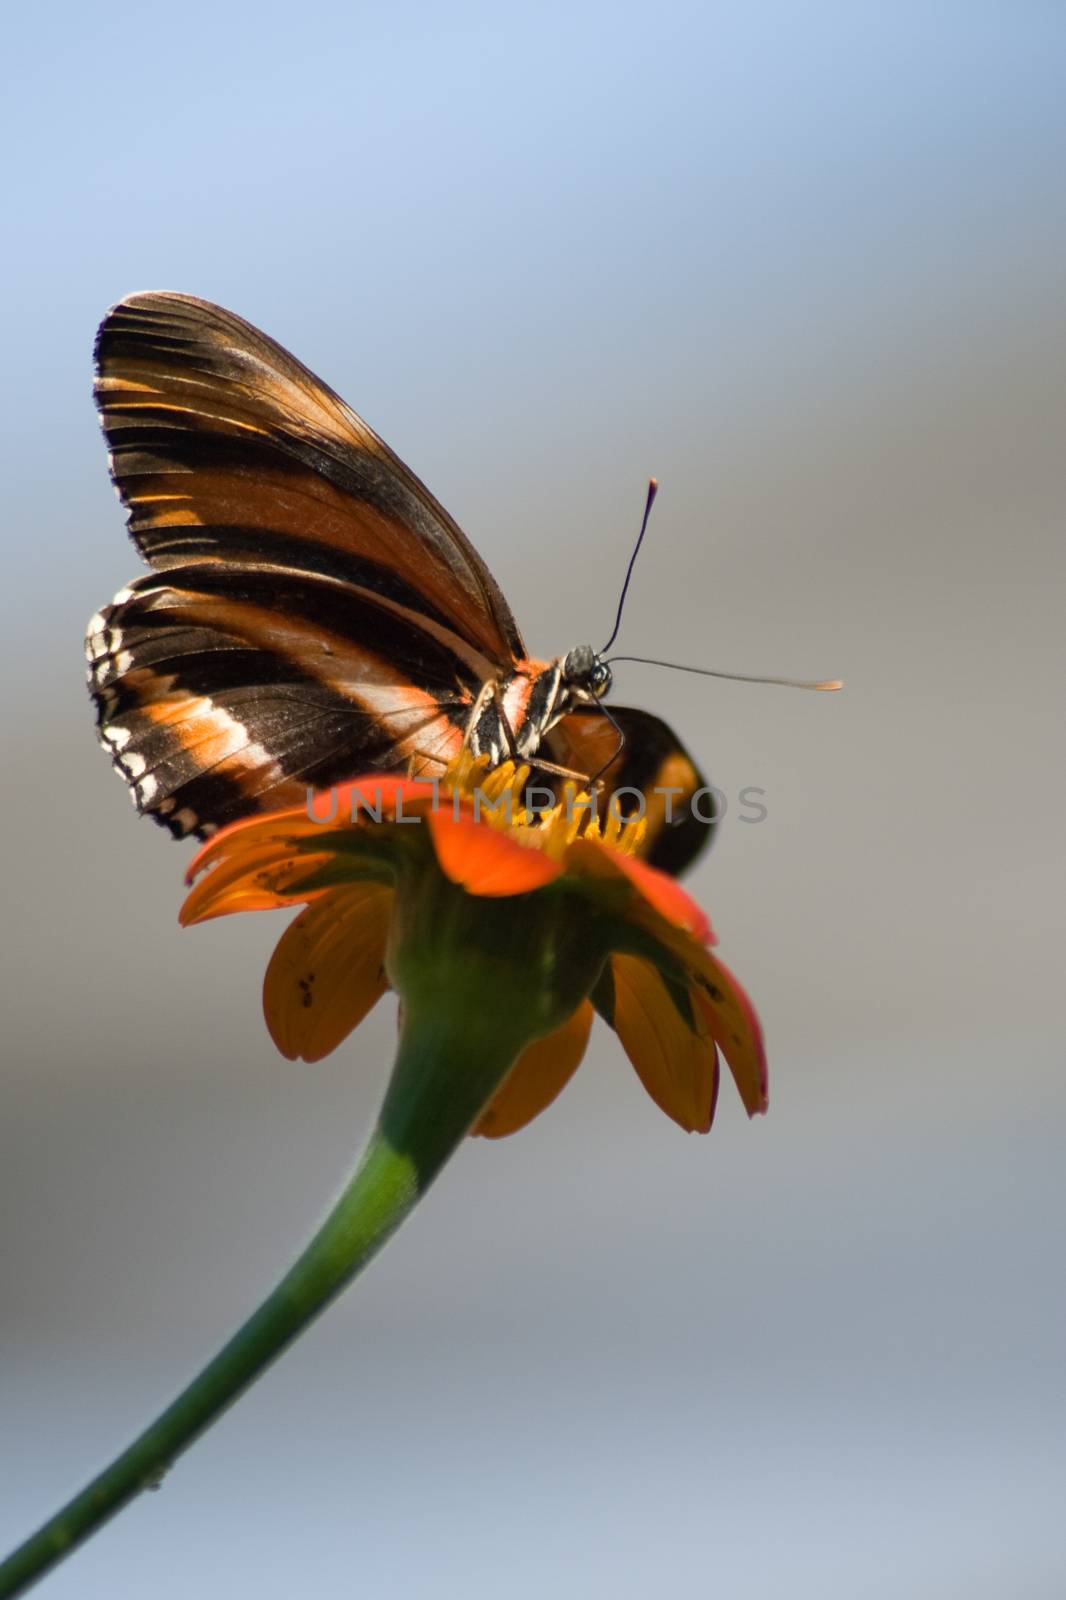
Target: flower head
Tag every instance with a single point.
(455, 894)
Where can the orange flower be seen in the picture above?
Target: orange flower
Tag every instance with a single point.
(554, 902)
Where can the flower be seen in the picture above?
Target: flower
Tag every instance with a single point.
(457, 896)
(502, 933)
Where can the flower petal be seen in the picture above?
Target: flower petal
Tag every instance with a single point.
(676, 1063)
(366, 800)
(484, 860)
(731, 1018)
(661, 892)
(541, 1072)
(251, 834)
(327, 972)
(255, 879)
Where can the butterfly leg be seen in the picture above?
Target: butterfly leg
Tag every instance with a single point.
(490, 691)
(552, 767)
(619, 747)
(505, 726)
(581, 778)
(487, 692)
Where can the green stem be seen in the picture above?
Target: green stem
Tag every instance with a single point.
(435, 1094)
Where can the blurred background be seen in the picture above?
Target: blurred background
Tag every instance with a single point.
(805, 263)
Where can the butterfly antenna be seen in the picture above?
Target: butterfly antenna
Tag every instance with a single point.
(653, 490)
(735, 677)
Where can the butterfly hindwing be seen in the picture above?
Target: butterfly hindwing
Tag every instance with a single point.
(211, 707)
(653, 762)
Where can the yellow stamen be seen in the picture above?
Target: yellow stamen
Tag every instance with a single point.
(552, 831)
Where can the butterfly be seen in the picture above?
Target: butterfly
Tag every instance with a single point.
(311, 612)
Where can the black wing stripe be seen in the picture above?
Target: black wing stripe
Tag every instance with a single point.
(145, 442)
(186, 543)
(266, 606)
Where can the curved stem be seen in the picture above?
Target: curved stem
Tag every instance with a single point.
(434, 1096)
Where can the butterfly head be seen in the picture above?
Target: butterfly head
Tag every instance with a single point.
(586, 673)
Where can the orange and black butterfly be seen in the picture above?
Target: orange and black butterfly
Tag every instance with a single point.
(312, 612)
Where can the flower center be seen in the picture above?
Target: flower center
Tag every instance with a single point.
(500, 799)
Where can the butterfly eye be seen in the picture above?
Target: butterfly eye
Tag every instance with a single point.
(600, 679)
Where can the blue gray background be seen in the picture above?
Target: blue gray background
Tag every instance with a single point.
(805, 263)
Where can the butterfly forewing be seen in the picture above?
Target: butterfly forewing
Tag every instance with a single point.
(217, 434)
(315, 611)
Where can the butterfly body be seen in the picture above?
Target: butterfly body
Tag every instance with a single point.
(513, 715)
(311, 611)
